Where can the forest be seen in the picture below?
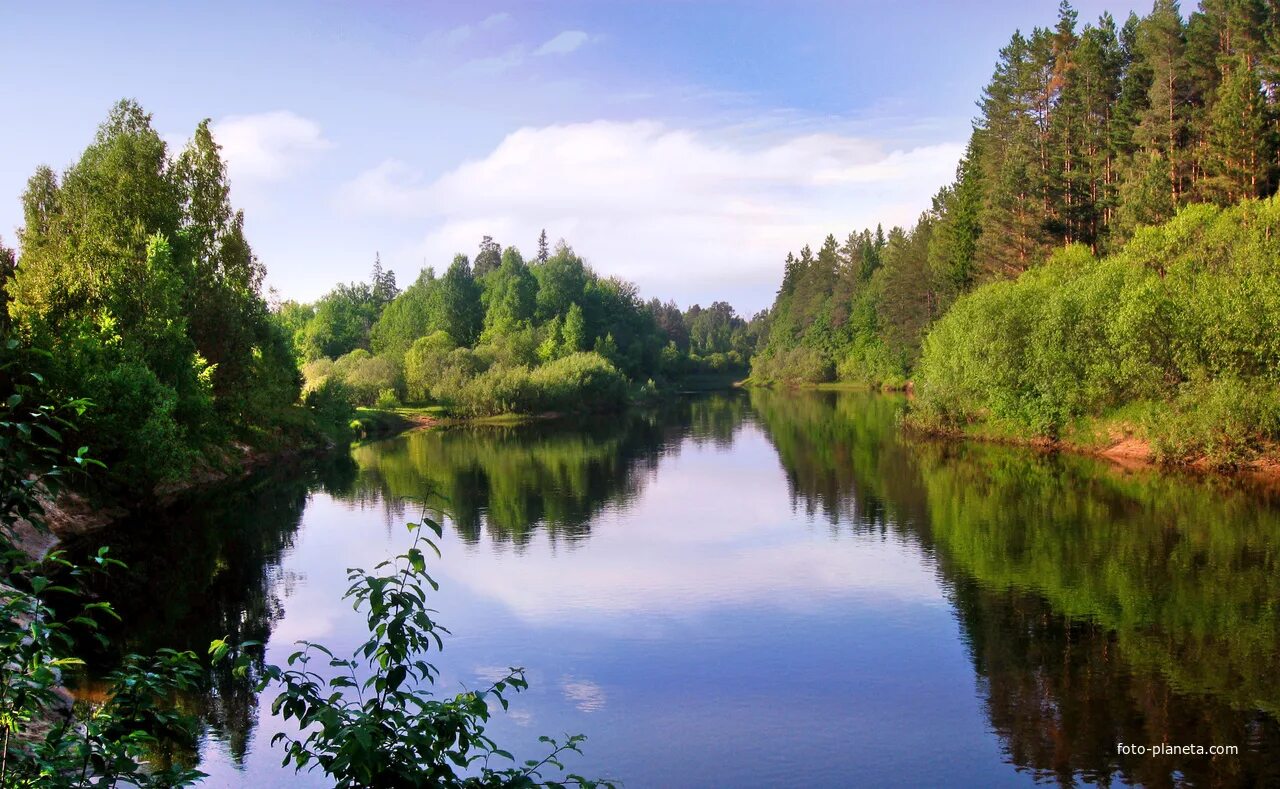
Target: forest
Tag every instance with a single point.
(1109, 149)
(498, 334)
(137, 291)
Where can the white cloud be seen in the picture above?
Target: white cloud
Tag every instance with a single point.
(268, 146)
(679, 211)
(496, 64)
(462, 33)
(563, 43)
(458, 35)
(584, 694)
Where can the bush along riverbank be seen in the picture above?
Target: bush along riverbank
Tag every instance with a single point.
(1167, 350)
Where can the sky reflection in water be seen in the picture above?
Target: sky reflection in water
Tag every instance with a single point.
(776, 589)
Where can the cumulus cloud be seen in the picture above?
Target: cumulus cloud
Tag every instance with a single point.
(563, 43)
(268, 146)
(679, 211)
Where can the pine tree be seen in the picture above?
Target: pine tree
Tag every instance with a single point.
(382, 283)
(953, 244)
(544, 251)
(1067, 173)
(1013, 199)
(1238, 125)
(1162, 127)
(1098, 68)
(488, 258)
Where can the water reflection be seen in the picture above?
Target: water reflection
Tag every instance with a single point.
(1101, 606)
(208, 569)
(799, 539)
(509, 480)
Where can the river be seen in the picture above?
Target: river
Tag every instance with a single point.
(761, 589)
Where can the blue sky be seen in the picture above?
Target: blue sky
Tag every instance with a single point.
(686, 146)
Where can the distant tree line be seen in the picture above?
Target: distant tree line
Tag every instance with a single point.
(499, 334)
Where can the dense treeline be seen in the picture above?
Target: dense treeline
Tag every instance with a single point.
(1084, 136)
(137, 281)
(499, 334)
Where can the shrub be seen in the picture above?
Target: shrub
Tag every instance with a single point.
(799, 365)
(1225, 421)
(330, 403)
(315, 372)
(140, 433)
(366, 375)
(388, 729)
(1186, 316)
(578, 382)
(499, 390)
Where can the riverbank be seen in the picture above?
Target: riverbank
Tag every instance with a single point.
(73, 514)
(1119, 441)
(901, 387)
(373, 423)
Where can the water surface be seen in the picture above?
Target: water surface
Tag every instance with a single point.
(762, 589)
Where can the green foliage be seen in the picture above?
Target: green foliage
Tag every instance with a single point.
(472, 339)
(385, 729)
(457, 310)
(367, 376)
(577, 382)
(793, 366)
(580, 381)
(1085, 136)
(562, 280)
(100, 743)
(425, 364)
(136, 274)
(1184, 316)
(330, 404)
(510, 296)
(342, 323)
(44, 744)
(853, 311)
(573, 335)
(1226, 421)
(35, 434)
(141, 431)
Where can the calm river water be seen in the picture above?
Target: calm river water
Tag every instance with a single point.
(763, 589)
